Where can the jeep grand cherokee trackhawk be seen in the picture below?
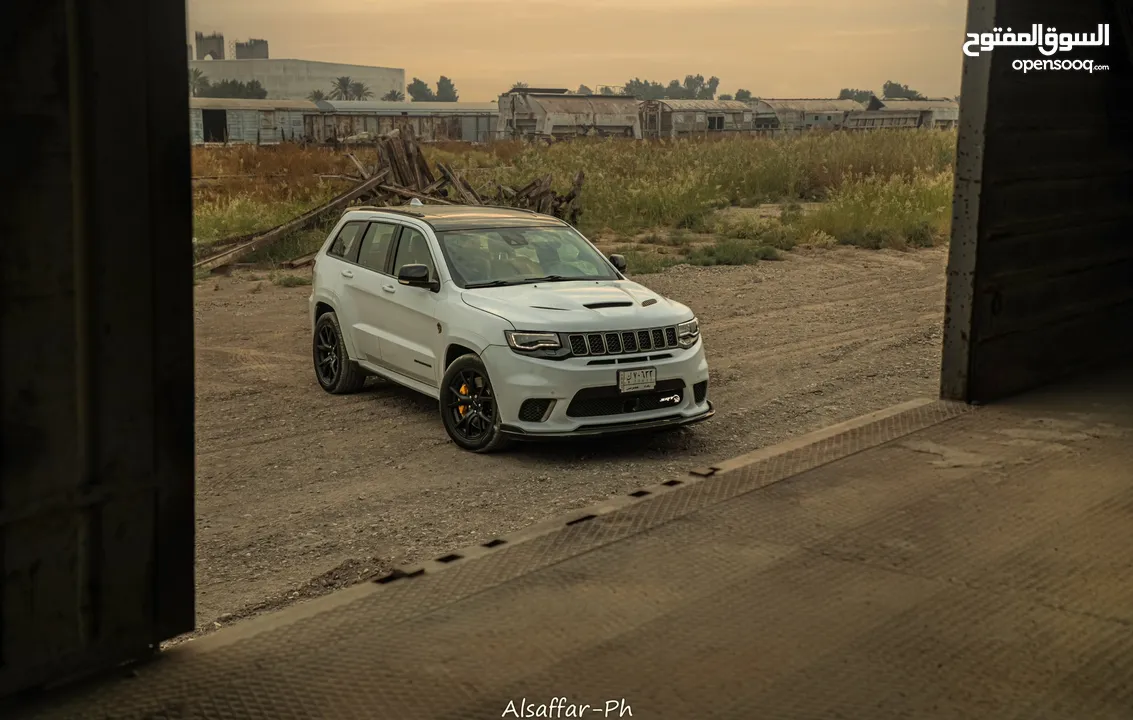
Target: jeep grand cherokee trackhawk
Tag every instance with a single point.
(512, 320)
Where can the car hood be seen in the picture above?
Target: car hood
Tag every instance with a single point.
(578, 306)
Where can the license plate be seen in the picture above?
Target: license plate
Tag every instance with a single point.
(637, 380)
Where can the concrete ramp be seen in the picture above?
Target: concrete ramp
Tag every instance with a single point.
(931, 561)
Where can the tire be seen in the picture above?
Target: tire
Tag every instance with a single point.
(471, 426)
(335, 371)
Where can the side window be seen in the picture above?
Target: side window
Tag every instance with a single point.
(345, 246)
(374, 250)
(413, 249)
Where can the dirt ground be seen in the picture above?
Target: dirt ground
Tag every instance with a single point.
(300, 492)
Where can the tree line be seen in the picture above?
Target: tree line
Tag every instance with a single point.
(694, 87)
(891, 90)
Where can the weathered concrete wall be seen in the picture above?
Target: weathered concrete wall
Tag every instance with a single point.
(254, 49)
(1040, 277)
(295, 79)
(212, 44)
(96, 496)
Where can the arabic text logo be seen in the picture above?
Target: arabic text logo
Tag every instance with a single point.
(1048, 41)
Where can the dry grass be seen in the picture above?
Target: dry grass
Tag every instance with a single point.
(884, 189)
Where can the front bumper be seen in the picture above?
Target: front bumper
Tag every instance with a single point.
(517, 378)
(635, 426)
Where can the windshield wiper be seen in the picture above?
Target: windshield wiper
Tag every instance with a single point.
(523, 281)
(493, 283)
(551, 278)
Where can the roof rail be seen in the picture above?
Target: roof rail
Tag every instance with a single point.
(518, 209)
(384, 209)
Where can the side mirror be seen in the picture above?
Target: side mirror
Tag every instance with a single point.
(415, 276)
(619, 262)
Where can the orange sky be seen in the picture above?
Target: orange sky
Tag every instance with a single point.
(775, 48)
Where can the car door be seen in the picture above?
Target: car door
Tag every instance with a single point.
(411, 344)
(336, 269)
(365, 291)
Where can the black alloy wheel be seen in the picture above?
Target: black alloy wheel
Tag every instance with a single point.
(335, 371)
(468, 406)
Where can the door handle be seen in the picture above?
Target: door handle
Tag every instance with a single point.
(347, 274)
(388, 288)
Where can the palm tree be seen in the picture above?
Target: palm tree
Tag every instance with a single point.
(340, 89)
(394, 96)
(519, 85)
(359, 91)
(197, 82)
(316, 95)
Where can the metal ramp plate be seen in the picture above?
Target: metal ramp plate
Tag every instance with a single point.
(926, 562)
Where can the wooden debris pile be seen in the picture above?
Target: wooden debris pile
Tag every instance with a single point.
(403, 174)
(407, 176)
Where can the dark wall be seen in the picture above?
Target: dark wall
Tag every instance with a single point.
(1041, 267)
(96, 499)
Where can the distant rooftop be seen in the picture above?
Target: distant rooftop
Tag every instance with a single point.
(539, 91)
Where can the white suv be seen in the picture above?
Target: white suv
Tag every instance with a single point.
(518, 325)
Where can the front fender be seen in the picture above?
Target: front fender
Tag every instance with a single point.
(472, 328)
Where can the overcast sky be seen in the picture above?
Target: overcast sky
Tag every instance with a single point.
(775, 48)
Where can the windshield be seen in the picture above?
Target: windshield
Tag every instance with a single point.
(511, 256)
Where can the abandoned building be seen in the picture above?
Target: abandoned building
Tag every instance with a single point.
(794, 115)
(677, 118)
(268, 122)
(255, 122)
(427, 121)
(254, 49)
(937, 113)
(882, 119)
(557, 113)
(210, 47)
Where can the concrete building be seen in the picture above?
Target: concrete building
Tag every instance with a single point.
(427, 121)
(801, 114)
(286, 79)
(557, 113)
(210, 47)
(677, 118)
(938, 113)
(252, 50)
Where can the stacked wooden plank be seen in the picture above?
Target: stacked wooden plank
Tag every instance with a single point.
(410, 177)
(403, 174)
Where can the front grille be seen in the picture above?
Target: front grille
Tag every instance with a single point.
(533, 410)
(619, 343)
(595, 343)
(597, 402)
(700, 391)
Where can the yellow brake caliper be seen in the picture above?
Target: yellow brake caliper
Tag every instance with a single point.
(463, 391)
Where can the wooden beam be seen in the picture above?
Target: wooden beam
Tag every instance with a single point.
(302, 222)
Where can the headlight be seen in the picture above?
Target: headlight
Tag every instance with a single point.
(533, 341)
(688, 333)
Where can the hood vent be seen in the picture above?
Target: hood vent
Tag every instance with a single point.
(600, 305)
(650, 301)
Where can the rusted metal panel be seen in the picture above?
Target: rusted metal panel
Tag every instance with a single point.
(877, 120)
(712, 106)
(567, 115)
